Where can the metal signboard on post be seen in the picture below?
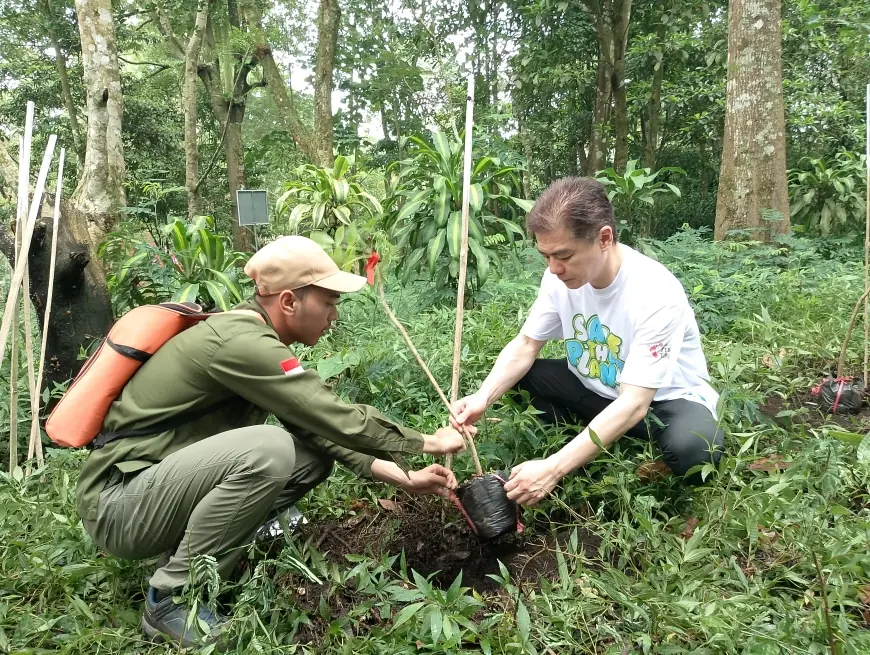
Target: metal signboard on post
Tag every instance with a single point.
(253, 208)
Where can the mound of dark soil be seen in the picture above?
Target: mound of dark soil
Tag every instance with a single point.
(436, 539)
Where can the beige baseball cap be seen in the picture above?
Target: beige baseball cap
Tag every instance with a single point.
(293, 262)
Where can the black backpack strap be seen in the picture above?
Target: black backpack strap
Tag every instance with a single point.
(161, 426)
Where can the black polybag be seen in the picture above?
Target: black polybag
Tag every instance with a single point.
(840, 395)
(487, 505)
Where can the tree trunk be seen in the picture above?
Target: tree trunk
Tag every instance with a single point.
(601, 113)
(79, 315)
(526, 141)
(611, 26)
(188, 105)
(99, 195)
(60, 60)
(235, 154)
(327, 40)
(278, 87)
(71, 110)
(651, 131)
(752, 178)
(621, 19)
(230, 118)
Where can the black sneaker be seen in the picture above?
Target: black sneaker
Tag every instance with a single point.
(164, 619)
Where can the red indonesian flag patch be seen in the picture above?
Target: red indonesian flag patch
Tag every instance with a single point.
(292, 367)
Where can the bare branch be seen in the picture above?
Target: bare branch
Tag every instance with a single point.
(143, 63)
(165, 27)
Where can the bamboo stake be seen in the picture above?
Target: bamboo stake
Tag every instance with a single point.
(28, 346)
(13, 401)
(34, 426)
(24, 146)
(463, 249)
(26, 238)
(465, 433)
(13, 367)
(867, 241)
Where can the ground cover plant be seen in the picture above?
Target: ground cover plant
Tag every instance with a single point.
(770, 556)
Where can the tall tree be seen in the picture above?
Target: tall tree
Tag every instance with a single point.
(49, 11)
(752, 178)
(224, 73)
(281, 92)
(328, 17)
(188, 103)
(611, 18)
(99, 195)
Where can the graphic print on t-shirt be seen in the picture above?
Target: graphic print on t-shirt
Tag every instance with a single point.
(594, 350)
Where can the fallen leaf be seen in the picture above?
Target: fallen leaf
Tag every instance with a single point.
(767, 534)
(864, 594)
(388, 505)
(770, 464)
(689, 530)
(652, 471)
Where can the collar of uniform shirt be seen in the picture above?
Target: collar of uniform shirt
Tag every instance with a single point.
(253, 305)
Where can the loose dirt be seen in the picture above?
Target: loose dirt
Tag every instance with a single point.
(814, 417)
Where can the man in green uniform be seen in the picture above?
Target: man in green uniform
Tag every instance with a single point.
(185, 463)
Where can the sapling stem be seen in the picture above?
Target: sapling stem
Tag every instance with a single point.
(465, 433)
(841, 364)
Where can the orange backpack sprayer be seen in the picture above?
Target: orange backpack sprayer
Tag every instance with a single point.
(78, 418)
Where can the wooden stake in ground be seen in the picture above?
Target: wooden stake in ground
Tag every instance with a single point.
(23, 200)
(28, 347)
(26, 238)
(463, 249)
(35, 437)
(867, 240)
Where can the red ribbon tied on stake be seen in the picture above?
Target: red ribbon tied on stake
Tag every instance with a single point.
(374, 258)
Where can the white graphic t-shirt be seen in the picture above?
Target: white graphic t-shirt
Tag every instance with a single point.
(640, 330)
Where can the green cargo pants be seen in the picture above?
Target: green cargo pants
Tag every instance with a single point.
(207, 498)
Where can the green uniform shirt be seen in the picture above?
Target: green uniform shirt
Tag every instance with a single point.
(236, 360)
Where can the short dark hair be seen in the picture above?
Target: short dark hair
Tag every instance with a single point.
(578, 203)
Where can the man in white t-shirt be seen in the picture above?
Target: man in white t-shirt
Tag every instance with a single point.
(631, 340)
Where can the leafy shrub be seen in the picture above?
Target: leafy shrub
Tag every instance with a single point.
(199, 267)
(828, 199)
(424, 203)
(333, 208)
(627, 191)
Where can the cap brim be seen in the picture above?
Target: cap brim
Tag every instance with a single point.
(342, 282)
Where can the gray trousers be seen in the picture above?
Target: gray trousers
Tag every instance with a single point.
(207, 498)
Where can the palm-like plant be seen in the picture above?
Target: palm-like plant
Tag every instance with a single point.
(423, 209)
(199, 267)
(325, 198)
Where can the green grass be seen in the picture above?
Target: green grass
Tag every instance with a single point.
(745, 581)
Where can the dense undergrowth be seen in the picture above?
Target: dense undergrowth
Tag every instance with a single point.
(770, 556)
